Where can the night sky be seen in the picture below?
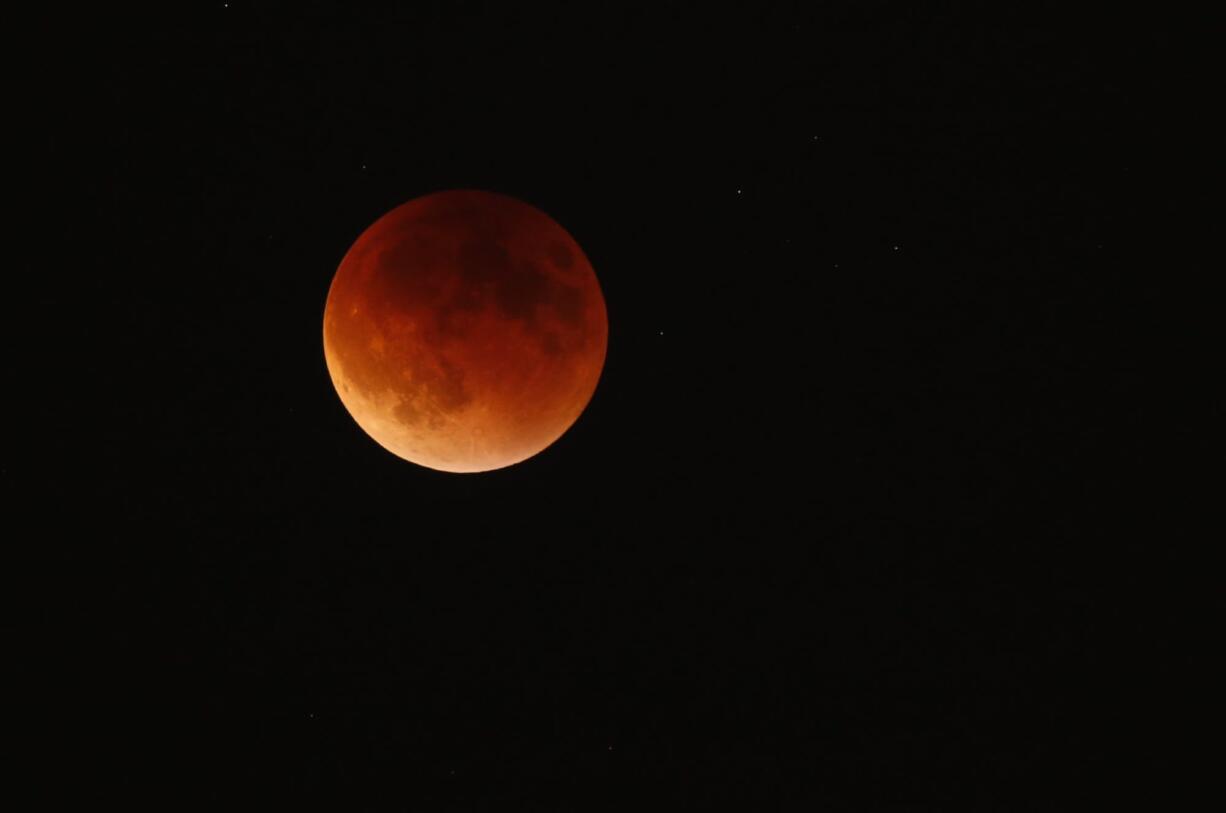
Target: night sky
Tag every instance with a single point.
(834, 529)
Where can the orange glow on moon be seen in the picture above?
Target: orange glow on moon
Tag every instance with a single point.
(465, 331)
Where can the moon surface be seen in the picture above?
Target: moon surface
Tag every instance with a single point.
(465, 331)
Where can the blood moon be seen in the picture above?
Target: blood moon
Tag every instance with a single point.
(465, 331)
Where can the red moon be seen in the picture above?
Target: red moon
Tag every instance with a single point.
(465, 331)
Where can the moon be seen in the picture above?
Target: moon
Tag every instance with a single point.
(465, 331)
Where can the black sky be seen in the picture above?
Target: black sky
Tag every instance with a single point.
(835, 528)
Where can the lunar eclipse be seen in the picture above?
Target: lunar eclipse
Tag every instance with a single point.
(465, 331)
